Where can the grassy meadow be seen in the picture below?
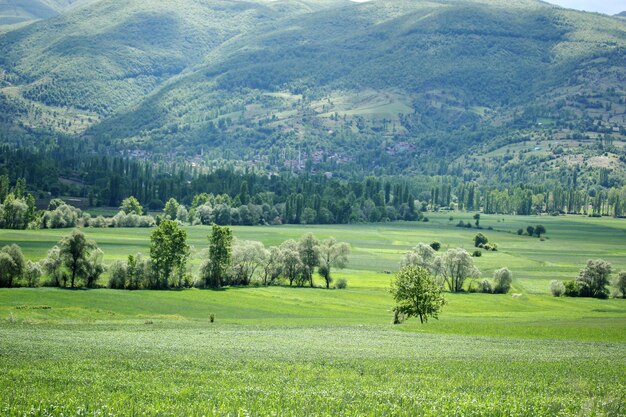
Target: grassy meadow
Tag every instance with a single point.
(300, 351)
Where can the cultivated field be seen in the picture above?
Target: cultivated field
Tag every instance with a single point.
(302, 351)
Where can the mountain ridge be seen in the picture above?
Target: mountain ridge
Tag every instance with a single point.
(439, 78)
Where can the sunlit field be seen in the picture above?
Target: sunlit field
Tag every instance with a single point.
(311, 351)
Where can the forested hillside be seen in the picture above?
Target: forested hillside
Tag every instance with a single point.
(486, 91)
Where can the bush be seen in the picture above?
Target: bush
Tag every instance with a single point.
(572, 289)
(557, 288)
(435, 245)
(480, 240)
(117, 275)
(502, 279)
(485, 286)
(491, 246)
(520, 231)
(341, 284)
(620, 283)
(477, 254)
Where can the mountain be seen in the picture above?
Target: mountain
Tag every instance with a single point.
(394, 86)
(17, 12)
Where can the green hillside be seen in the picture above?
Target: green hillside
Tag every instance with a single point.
(392, 86)
(14, 13)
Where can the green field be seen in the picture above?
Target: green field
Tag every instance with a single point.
(309, 351)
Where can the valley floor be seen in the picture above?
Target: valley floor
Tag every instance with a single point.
(310, 351)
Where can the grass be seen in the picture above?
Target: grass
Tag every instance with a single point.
(301, 351)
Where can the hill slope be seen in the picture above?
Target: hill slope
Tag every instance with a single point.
(16, 12)
(397, 84)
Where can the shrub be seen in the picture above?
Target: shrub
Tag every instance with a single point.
(620, 283)
(117, 275)
(435, 245)
(502, 279)
(520, 231)
(480, 240)
(32, 273)
(491, 246)
(572, 289)
(485, 286)
(594, 278)
(477, 253)
(557, 288)
(341, 284)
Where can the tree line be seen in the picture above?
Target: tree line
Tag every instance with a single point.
(76, 261)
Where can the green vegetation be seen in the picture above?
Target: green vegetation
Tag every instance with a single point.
(394, 96)
(293, 350)
(417, 295)
(386, 124)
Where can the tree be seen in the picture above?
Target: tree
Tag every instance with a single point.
(332, 254)
(12, 271)
(620, 283)
(477, 220)
(422, 255)
(594, 278)
(480, 240)
(32, 273)
(118, 273)
(455, 266)
(247, 257)
(272, 266)
(74, 251)
(308, 247)
(436, 246)
(220, 252)
(6, 270)
(53, 264)
(292, 265)
(168, 251)
(171, 209)
(94, 268)
(416, 294)
(131, 205)
(502, 279)
(540, 230)
(530, 230)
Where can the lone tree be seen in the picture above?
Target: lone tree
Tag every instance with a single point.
(308, 247)
(74, 251)
(220, 254)
(594, 278)
(168, 251)
(477, 220)
(416, 295)
(332, 254)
